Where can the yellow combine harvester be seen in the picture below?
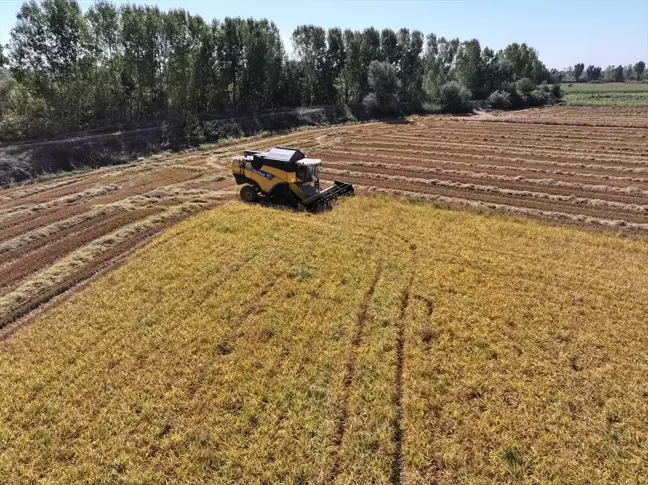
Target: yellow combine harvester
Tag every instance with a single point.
(285, 176)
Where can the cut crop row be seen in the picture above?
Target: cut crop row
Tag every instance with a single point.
(516, 165)
(486, 198)
(28, 260)
(519, 183)
(459, 149)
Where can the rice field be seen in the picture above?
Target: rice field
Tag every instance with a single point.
(586, 167)
(383, 342)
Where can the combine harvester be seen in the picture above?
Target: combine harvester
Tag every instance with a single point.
(285, 176)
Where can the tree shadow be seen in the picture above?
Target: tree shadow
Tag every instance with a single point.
(397, 121)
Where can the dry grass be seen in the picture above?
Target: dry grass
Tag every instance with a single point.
(384, 342)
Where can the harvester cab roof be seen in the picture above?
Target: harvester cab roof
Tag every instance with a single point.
(285, 174)
(288, 159)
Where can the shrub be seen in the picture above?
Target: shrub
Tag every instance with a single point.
(525, 86)
(537, 97)
(171, 136)
(454, 97)
(500, 100)
(517, 101)
(384, 85)
(556, 91)
(217, 130)
(370, 103)
(192, 131)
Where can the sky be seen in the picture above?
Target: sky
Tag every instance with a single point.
(565, 32)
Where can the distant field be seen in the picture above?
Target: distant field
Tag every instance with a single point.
(607, 94)
(606, 87)
(385, 342)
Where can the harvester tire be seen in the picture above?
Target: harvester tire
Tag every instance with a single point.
(249, 194)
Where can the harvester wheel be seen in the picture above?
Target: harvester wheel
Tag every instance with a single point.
(249, 194)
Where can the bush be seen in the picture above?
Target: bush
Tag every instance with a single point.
(454, 97)
(525, 86)
(538, 97)
(384, 85)
(556, 91)
(218, 130)
(500, 100)
(517, 100)
(192, 131)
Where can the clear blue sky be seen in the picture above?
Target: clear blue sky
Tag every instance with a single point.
(565, 32)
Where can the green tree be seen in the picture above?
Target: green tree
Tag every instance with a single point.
(310, 46)
(389, 48)
(47, 47)
(336, 61)
(618, 74)
(639, 68)
(104, 31)
(309, 42)
(384, 87)
(454, 97)
(229, 56)
(578, 70)
(263, 57)
(439, 61)
(369, 52)
(593, 73)
(410, 47)
(352, 72)
(292, 83)
(134, 63)
(7, 88)
(556, 76)
(207, 92)
(469, 69)
(525, 62)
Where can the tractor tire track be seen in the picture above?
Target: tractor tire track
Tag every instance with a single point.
(350, 374)
(398, 461)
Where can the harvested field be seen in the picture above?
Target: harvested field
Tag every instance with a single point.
(613, 117)
(383, 342)
(573, 165)
(578, 165)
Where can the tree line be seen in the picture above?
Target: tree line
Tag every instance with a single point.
(591, 73)
(67, 70)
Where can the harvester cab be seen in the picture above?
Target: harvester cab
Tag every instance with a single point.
(285, 176)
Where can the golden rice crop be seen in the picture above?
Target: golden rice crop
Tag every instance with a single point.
(383, 342)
